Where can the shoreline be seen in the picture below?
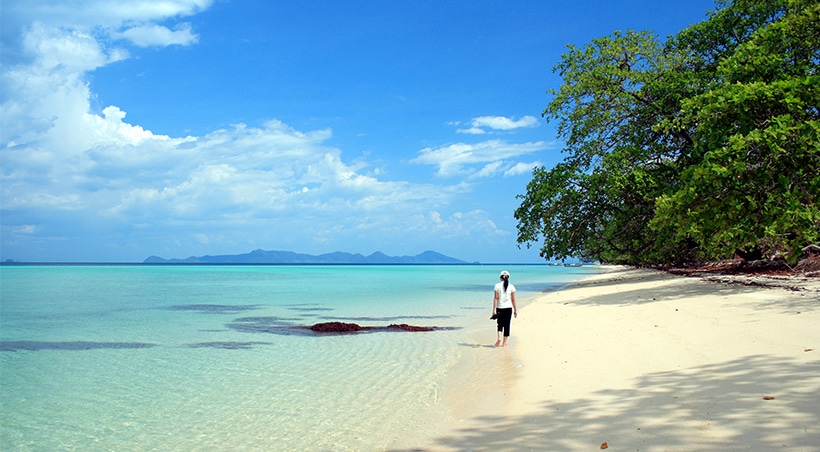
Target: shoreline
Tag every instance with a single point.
(644, 360)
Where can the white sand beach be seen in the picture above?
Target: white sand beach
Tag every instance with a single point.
(644, 360)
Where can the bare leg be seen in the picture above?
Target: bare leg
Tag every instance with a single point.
(498, 342)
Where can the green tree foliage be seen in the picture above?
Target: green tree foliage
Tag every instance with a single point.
(755, 183)
(695, 148)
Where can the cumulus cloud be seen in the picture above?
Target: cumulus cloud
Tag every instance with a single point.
(245, 172)
(472, 131)
(482, 159)
(103, 16)
(481, 124)
(521, 168)
(158, 35)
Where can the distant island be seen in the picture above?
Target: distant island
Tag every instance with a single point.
(289, 257)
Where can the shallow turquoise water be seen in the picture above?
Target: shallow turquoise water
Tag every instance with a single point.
(205, 357)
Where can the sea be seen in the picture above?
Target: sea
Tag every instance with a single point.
(221, 357)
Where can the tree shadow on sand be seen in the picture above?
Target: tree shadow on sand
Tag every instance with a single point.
(718, 407)
(621, 290)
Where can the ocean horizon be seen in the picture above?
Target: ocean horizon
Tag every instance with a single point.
(197, 357)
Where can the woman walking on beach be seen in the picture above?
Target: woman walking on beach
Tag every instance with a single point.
(504, 307)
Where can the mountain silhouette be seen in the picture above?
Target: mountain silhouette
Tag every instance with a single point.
(289, 257)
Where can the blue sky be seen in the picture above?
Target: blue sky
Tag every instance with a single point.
(191, 127)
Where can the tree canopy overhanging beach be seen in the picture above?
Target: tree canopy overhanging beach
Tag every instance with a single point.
(697, 148)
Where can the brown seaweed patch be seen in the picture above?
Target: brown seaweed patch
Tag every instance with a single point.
(337, 327)
(273, 325)
(342, 328)
(406, 327)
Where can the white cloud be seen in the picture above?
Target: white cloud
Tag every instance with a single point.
(490, 169)
(504, 123)
(89, 14)
(480, 124)
(472, 131)
(462, 158)
(521, 168)
(157, 35)
(136, 21)
(239, 174)
(46, 92)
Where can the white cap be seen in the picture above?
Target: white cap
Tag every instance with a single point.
(505, 273)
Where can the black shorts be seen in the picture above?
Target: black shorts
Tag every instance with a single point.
(504, 318)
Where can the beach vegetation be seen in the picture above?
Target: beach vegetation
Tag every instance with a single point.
(700, 147)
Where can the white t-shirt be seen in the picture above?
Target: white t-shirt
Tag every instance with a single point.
(504, 300)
